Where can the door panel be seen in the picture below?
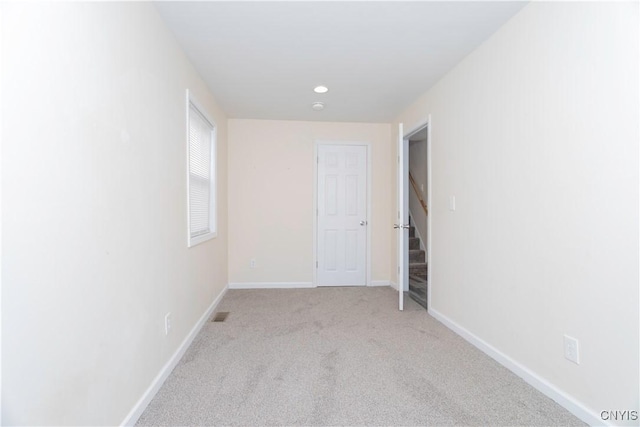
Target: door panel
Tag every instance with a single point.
(342, 215)
(403, 216)
(331, 249)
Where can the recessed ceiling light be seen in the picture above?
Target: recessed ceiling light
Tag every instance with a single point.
(321, 89)
(318, 106)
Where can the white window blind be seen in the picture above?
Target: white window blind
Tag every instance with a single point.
(201, 177)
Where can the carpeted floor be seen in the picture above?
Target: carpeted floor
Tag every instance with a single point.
(340, 356)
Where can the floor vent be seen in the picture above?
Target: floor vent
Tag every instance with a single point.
(220, 316)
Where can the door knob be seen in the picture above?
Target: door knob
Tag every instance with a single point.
(363, 222)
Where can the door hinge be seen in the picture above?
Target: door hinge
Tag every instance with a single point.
(316, 264)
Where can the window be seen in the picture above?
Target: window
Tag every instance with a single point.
(201, 180)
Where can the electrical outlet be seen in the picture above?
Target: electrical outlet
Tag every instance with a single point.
(167, 323)
(252, 263)
(452, 203)
(571, 349)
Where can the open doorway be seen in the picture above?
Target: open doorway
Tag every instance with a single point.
(418, 215)
(414, 241)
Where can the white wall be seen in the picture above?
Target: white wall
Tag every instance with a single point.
(271, 198)
(94, 244)
(1, 138)
(536, 134)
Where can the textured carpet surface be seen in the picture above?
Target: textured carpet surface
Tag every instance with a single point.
(340, 356)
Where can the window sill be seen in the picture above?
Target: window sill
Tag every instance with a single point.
(193, 241)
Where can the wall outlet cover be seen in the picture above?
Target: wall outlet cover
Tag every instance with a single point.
(571, 349)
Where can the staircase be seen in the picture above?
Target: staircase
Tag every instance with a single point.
(417, 269)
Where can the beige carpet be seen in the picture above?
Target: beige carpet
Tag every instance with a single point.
(340, 356)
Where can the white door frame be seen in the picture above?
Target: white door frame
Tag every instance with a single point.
(407, 134)
(403, 216)
(368, 146)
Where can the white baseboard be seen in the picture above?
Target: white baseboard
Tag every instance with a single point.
(270, 285)
(375, 283)
(393, 285)
(563, 399)
(291, 285)
(157, 382)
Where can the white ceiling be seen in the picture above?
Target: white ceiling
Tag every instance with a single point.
(262, 59)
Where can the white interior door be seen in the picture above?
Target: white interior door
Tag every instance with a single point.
(342, 215)
(403, 216)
